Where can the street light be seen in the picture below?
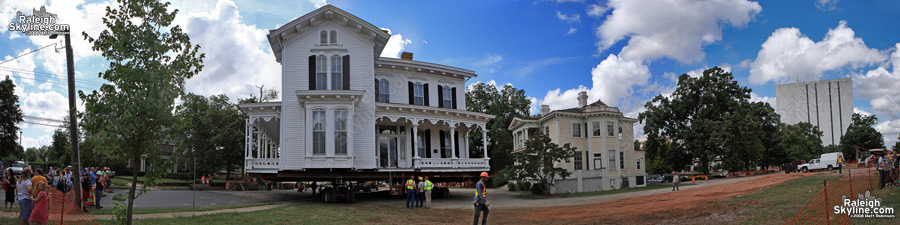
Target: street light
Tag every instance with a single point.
(73, 125)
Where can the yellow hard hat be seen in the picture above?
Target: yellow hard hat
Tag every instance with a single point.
(420, 178)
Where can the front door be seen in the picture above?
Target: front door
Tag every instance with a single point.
(390, 150)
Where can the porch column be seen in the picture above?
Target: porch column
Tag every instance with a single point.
(258, 141)
(466, 144)
(415, 136)
(453, 140)
(484, 142)
(247, 136)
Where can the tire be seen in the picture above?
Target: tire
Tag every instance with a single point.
(787, 171)
(805, 170)
(830, 168)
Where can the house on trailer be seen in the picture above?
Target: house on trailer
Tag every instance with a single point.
(347, 112)
(605, 155)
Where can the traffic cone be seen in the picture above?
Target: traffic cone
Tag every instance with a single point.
(707, 178)
(692, 180)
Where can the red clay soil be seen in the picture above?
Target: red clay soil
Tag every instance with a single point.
(664, 208)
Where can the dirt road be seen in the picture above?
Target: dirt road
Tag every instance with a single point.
(700, 204)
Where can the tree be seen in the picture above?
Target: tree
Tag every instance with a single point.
(802, 141)
(861, 133)
(694, 117)
(60, 149)
(10, 116)
(505, 104)
(213, 136)
(149, 60)
(539, 161)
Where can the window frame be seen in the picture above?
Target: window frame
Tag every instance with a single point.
(341, 119)
(323, 37)
(612, 159)
(448, 97)
(578, 160)
(638, 164)
(419, 93)
(319, 118)
(598, 160)
(321, 72)
(332, 37)
(621, 160)
(384, 89)
(610, 128)
(336, 72)
(596, 129)
(576, 129)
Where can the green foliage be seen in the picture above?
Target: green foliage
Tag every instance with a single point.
(214, 129)
(708, 118)
(801, 141)
(505, 104)
(511, 187)
(861, 133)
(524, 185)
(61, 149)
(537, 161)
(10, 115)
(149, 60)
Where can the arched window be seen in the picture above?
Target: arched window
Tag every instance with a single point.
(323, 37)
(340, 131)
(333, 37)
(318, 128)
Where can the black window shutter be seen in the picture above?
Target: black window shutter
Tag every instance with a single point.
(412, 99)
(414, 147)
(585, 130)
(456, 142)
(377, 94)
(587, 161)
(443, 145)
(453, 92)
(312, 72)
(426, 95)
(440, 96)
(428, 143)
(346, 72)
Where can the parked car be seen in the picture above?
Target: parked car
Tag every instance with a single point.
(826, 161)
(790, 167)
(17, 167)
(655, 179)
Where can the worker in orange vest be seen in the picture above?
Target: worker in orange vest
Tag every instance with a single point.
(675, 181)
(410, 192)
(481, 202)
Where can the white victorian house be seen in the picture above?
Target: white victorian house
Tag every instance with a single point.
(344, 108)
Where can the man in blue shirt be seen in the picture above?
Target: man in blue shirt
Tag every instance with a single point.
(481, 203)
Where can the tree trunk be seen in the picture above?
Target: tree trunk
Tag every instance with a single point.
(134, 179)
(228, 173)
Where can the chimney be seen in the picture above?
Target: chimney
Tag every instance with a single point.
(545, 109)
(582, 99)
(406, 56)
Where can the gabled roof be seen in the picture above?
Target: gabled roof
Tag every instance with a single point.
(327, 12)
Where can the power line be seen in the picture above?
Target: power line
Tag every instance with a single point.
(52, 80)
(23, 54)
(49, 75)
(44, 119)
(42, 124)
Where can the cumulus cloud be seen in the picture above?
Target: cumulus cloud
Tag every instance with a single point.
(757, 98)
(889, 129)
(395, 46)
(25, 63)
(670, 28)
(83, 17)
(861, 111)
(789, 55)
(887, 105)
(235, 61)
(880, 85)
(574, 18)
(613, 79)
(699, 71)
(571, 30)
(827, 5)
(42, 140)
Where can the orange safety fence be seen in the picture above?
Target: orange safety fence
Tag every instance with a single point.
(63, 210)
(820, 208)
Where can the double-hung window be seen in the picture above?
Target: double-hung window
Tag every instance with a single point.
(418, 94)
(340, 132)
(321, 73)
(336, 78)
(612, 159)
(578, 160)
(318, 117)
(576, 130)
(609, 128)
(384, 91)
(448, 97)
(596, 128)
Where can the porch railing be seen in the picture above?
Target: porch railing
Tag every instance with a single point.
(451, 163)
(262, 163)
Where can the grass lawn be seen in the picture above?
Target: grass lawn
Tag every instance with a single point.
(528, 195)
(779, 203)
(108, 211)
(123, 180)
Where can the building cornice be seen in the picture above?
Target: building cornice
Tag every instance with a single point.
(420, 66)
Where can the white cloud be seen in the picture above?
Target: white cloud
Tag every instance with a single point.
(699, 71)
(235, 62)
(861, 111)
(50, 105)
(571, 30)
(488, 60)
(574, 18)
(887, 105)
(670, 28)
(827, 4)
(530, 67)
(25, 63)
(789, 55)
(596, 10)
(757, 98)
(889, 130)
(319, 3)
(879, 81)
(28, 142)
(395, 46)
(491, 83)
(83, 17)
(613, 78)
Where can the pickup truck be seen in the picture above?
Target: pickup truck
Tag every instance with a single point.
(814, 164)
(789, 167)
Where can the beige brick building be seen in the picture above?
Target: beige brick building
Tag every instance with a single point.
(605, 158)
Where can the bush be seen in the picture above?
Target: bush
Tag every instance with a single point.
(511, 187)
(524, 185)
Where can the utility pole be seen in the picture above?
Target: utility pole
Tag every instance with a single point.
(73, 125)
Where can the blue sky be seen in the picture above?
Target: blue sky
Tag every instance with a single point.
(623, 52)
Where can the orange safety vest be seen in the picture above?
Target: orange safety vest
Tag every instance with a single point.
(483, 190)
(410, 184)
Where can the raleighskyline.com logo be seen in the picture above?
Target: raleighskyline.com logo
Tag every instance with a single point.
(864, 206)
(40, 23)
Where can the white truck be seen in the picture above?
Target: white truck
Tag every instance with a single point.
(827, 161)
